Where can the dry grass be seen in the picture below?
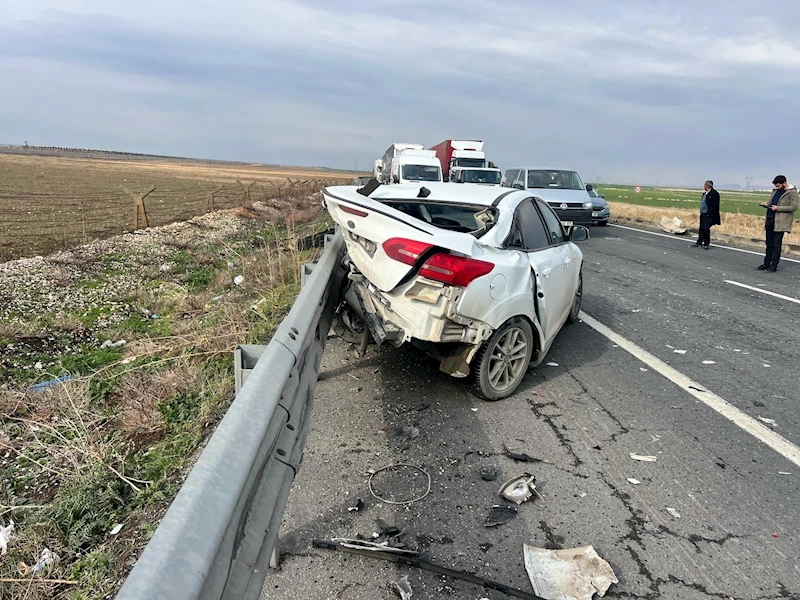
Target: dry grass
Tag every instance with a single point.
(742, 225)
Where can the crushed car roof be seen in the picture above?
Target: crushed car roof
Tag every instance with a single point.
(441, 192)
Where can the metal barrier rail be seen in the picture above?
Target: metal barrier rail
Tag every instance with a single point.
(216, 540)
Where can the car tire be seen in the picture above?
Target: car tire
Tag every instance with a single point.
(575, 311)
(494, 355)
(603, 223)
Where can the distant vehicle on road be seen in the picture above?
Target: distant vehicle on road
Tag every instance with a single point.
(459, 153)
(562, 189)
(404, 163)
(482, 278)
(472, 175)
(601, 212)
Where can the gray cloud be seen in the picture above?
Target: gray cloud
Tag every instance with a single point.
(656, 91)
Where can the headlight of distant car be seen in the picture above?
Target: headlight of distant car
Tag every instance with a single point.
(587, 205)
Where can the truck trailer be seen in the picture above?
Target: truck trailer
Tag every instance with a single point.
(459, 153)
(404, 163)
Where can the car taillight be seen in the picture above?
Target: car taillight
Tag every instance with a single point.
(353, 211)
(405, 251)
(454, 270)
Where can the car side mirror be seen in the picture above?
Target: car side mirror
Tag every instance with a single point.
(578, 233)
(589, 187)
(602, 195)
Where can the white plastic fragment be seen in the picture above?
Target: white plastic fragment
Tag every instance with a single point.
(5, 536)
(403, 587)
(709, 362)
(783, 473)
(767, 421)
(552, 364)
(644, 458)
(768, 366)
(110, 344)
(238, 280)
(633, 481)
(674, 512)
(117, 528)
(643, 370)
(679, 351)
(47, 558)
(474, 409)
(570, 574)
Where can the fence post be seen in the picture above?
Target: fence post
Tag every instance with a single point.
(246, 201)
(139, 210)
(210, 207)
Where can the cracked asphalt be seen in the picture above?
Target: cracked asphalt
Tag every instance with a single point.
(737, 535)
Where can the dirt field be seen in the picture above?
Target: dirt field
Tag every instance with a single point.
(51, 203)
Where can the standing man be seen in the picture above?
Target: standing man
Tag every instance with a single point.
(709, 214)
(780, 217)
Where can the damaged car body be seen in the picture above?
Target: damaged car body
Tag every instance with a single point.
(482, 278)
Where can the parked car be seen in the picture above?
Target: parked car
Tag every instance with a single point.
(562, 189)
(601, 212)
(482, 277)
(483, 176)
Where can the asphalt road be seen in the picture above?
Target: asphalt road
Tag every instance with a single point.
(737, 535)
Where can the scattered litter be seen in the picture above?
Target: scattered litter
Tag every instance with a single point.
(736, 350)
(679, 351)
(403, 587)
(583, 494)
(671, 225)
(474, 409)
(637, 310)
(650, 528)
(768, 366)
(775, 535)
(489, 472)
(767, 421)
(353, 376)
(117, 528)
(420, 469)
(520, 456)
(633, 481)
(709, 362)
(110, 344)
(552, 364)
(407, 431)
(231, 262)
(165, 267)
(655, 438)
(238, 280)
(674, 512)
(519, 489)
(372, 546)
(359, 505)
(571, 574)
(40, 387)
(777, 397)
(45, 560)
(644, 458)
(643, 370)
(696, 389)
(355, 389)
(38, 366)
(668, 346)
(130, 359)
(500, 515)
(783, 473)
(386, 529)
(5, 536)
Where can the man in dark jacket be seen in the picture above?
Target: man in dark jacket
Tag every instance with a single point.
(780, 216)
(709, 214)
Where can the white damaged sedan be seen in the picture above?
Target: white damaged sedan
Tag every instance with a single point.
(482, 277)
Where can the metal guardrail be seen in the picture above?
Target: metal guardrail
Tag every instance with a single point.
(218, 536)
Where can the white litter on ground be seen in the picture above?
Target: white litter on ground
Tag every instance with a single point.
(767, 421)
(709, 362)
(644, 458)
(679, 351)
(633, 481)
(674, 512)
(5, 536)
(552, 364)
(570, 574)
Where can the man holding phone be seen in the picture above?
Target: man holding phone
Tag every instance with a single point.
(780, 218)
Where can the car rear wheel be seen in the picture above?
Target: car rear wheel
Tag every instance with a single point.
(502, 361)
(575, 311)
(603, 223)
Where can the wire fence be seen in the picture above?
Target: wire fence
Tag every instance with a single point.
(34, 223)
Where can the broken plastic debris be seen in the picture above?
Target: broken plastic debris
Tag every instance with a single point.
(5, 536)
(552, 364)
(767, 421)
(499, 515)
(520, 456)
(117, 528)
(238, 280)
(474, 409)
(679, 351)
(644, 458)
(373, 546)
(671, 225)
(40, 387)
(47, 558)
(519, 489)
(110, 344)
(642, 369)
(571, 574)
(489, 472)
(674, 512)
(403, 587)
(709, 362)
(783, 473)
(406, 431)
(386, 529)
(359, 505)
(633, 481)
(38, 366)
(768, 366)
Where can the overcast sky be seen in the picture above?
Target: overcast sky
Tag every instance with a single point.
(645, 92)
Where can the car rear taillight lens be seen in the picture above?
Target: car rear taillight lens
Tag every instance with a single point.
(353, 211)
(405, 251)
(454, 270)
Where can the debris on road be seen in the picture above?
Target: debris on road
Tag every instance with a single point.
(709, 362)
(40, 387)
(238, 280)
(377, 547)
(500, 515)
(47, 559)
(552, 364)
(674, 512)
(633, 481)
(386, 529)
(396, 466)
(5, 536)
(783, 473)
(489, 472)
(520, 456)
(643, 370)
(519, 489)
(407, 431)
(644, 458)
(110, 344)
(474, 409)
(672, 225)
(571, 574)
(359, 505)
(679, 351)
(403, 588)
(117, 528)
(767, 421)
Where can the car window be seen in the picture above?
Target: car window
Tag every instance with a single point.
(528, 232)
(509, 177)
(555, 230)
(564, 180)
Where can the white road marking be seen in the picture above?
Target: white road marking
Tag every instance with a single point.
(755, 289)
(761, 432)
(685, 239)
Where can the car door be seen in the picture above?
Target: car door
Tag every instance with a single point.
(530, 235)
(571, 258)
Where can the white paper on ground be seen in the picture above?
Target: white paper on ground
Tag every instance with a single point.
(570, 574)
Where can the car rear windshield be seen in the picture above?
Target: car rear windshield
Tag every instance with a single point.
(561, 180)
(464, 218)
(482, 176)
(421, 173)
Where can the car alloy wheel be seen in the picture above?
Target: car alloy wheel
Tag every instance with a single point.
(502, 362)
(575, 311)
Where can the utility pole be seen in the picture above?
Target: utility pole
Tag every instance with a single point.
(749, 180)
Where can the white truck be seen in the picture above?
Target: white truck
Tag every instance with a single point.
(404, 163)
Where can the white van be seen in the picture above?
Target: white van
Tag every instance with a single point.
(562, 189)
